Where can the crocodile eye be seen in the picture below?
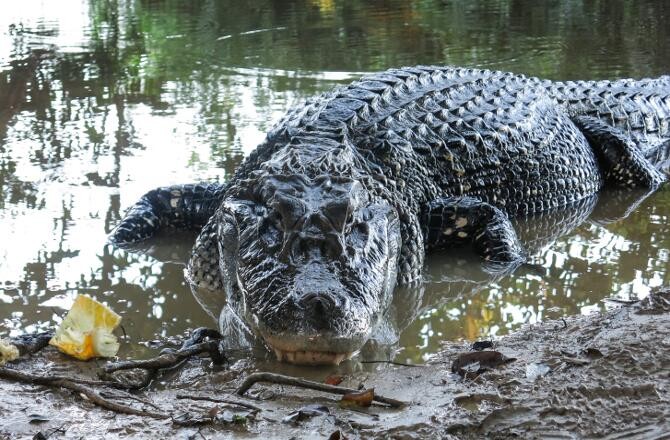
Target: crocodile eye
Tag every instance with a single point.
(270, 231)
(350, 223)
(277, 220)
(357, 234)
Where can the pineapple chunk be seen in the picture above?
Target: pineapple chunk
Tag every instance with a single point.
(86, 331)
(8, 352)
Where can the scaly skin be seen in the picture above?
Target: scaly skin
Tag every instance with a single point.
(310, 236)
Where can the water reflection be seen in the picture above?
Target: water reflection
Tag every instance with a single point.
(101, 101)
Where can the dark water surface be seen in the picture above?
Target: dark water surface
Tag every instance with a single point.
(102, 101)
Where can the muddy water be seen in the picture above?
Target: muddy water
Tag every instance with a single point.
(102, 101)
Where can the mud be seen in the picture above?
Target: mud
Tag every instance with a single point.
(603, 375)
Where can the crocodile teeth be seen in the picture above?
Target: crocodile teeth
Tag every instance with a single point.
(311, 357)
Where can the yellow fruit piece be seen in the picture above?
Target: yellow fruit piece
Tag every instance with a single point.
(86, 331)
(8, 352)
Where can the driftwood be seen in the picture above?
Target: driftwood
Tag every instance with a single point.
(167, 360)
(303, 383)
(172, 359)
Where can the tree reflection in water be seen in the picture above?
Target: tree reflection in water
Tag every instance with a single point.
(106, 100)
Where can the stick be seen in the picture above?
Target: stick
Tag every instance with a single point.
(383, 361)
(303, 383)
(191, 347)
(8, 373)
(31, 343)
(131, 397)
(219, 400)
(167, 360)
(78, 388)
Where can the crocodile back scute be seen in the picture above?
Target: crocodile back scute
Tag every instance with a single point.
(448, 131)
(640, 108)
(417, 133)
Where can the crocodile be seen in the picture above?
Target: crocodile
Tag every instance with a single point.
(349, 190)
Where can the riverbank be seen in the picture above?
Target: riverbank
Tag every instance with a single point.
(603, 375)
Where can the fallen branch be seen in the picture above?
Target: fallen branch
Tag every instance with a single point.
(31, 343)
(126, 395)
(167, 360)
(384, 361)
(9, 373)
(79, 389)
(172, 359)
(220, 400)
(303, 383)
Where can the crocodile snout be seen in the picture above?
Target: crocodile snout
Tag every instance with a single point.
(319, 307)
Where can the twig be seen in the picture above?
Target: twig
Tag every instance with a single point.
(303, 383)
(123, 329)
(219, 400)
(79, 389)
(31, 343)
(50, 432)
(152, 366)
(167, 360)
(400, 364)
(131, 397)
(8, 373)
(620, 300)
(193, 346)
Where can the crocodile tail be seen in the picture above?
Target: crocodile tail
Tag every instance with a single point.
(640, 108)
(178, 206)
(659, 156)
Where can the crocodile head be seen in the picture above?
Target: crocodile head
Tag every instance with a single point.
(311, 263)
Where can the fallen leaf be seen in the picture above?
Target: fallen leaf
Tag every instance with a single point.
(305, 413)
(213, 411)
(478, 362)
(593, 353)
(239, 419)
(482, 345)
(362, 399)
(337, 435)
(227, 416)
(37, 418)
(333, 379)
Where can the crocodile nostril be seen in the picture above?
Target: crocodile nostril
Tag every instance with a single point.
(318, 304)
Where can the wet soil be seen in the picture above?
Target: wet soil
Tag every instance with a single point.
(603, 375)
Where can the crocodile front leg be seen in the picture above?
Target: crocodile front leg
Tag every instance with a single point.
(202, 270)
(179, 206)
(410, 260)
(456, 220)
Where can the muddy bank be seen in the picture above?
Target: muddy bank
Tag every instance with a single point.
(602, 375)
